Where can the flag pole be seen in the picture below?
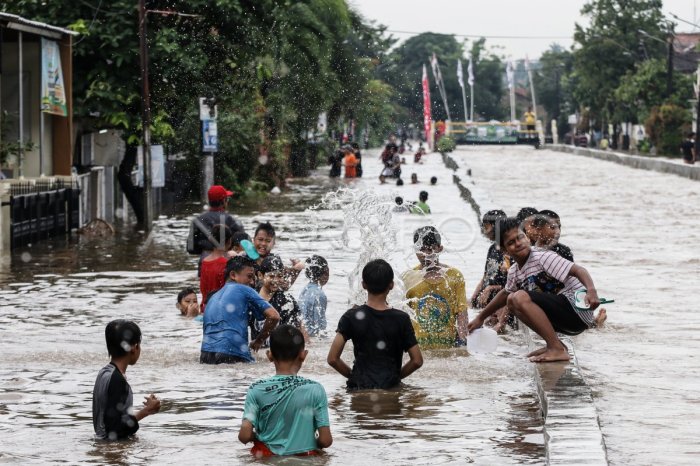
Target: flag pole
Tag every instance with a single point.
(460, 79)
(532, 87)
(511, 87)
(471, 103)
(471, 87)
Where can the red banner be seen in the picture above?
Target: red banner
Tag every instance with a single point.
(426, 105)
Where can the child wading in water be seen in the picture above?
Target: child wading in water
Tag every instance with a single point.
(540, 291)
(436, 293)
(312, 300)
(275, 290)
(212, 276)
(380, 335)
(187, 302)
(112, 414)
(283, 413)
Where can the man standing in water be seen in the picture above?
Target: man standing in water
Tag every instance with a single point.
(437, 295)
(200, 240)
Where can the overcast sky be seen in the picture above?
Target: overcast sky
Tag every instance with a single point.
(549, 20)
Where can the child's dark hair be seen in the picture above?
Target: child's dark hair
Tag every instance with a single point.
(423, 196)
(399, 182)
(526, 212)
(238, 237)
(221, 234)
(185, 292)
(272, 263)
(377, 276)
(266, 227)
(433, 180)
(550, 214)
(286, 342)
(238, 263)
(121, 335)
(399, 200)
(316, 267)
(504, 226)
(493, 216)
(426, 237)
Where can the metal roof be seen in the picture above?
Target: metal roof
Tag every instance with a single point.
(27, 25)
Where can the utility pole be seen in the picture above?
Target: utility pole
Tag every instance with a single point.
(669, 71)
(145, 119)
(697, 112)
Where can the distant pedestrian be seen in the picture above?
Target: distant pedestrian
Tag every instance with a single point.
(688, 149)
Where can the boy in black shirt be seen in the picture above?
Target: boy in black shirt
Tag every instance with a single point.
(380, 335)
(112, 399)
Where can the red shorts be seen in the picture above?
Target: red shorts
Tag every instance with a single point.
(260, 450)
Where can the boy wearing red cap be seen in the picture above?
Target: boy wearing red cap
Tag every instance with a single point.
(200, 240)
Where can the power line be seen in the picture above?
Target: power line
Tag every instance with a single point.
(478, 36)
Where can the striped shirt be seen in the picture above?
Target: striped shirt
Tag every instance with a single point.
(547, 272)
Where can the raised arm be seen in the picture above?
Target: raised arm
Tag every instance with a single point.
(334, 356)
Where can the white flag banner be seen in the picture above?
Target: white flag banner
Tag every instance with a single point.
(433, 65)
(460, 73)
(510, 74)
(470, 70)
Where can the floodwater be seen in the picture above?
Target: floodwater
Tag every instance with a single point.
(57, 297)
(636, 232)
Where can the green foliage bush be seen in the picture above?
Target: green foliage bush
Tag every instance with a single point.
(446, 144)
(665, 126)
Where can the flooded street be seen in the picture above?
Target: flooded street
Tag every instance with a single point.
(636, 232)
(58, 296)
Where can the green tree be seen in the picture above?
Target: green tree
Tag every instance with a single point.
(611, 46)
(489, 73)
(642, 89)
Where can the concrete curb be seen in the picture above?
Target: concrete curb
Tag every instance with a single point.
(635, 161)
(571, 428)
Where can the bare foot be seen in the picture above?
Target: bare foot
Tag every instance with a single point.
(552, 355)
(537, 352)
(600, 318)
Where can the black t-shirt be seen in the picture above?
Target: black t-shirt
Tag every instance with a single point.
(563, 251)
(687, 148)
(287, 307)
(200, 230)
(493, 269)
(379, 339)
(111, 401)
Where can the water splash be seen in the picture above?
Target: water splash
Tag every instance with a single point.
(369, 231)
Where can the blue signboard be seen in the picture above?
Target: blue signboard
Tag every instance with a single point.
(210, 141)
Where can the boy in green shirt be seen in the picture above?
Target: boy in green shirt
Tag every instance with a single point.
(283, 413)
(421, 207)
